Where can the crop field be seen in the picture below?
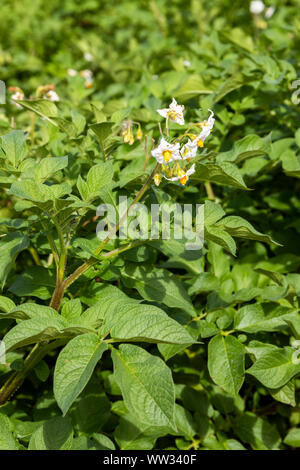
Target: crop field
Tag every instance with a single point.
(149, 225)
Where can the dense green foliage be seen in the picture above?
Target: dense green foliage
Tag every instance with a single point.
(155, 347)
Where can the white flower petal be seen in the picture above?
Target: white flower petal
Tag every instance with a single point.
(257, 7)
(163, 112)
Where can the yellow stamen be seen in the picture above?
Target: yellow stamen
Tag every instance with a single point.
(172, 114)
(183, 180)
(167, 154)
(200, 143)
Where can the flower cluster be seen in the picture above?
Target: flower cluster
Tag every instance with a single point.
(47, 92)
(127, 133)
(173, 157)
(86, 74)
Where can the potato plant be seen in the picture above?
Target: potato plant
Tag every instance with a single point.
(115, 335)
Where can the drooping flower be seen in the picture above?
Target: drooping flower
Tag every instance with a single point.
(166, 153)
(174, 112)
(17, 94)
(189, 150)
(139, 133)
(182, 175)
(206, 127)
(157, 179)
(127, 133)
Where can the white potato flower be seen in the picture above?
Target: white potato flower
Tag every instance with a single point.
(88, 56)
(206, 129)
(51, 95)
(17, 96)
(166, 153)
(257, 7)
(72, 72)
(87, 74)
(269, 12)
(182, 176)
(189, 150)
(174, 112)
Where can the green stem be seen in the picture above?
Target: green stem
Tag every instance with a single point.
(209, 191)
(85, 266)
(63, 254)
(35, 256)
(17, 378)
(51, 243)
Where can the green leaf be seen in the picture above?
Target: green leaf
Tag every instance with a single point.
(33, 331)
(290, 163)
(10, 246)
(158, 285)
(274, 369)
(257, 432)
(239, 227)
(7, 440)
(55, 434)
(71, 309)
(192, 86)
(294, 323)
(102, 131)
(6, 304)
(13, 147)
(249, 146)
(99, 179)
(220, 237)
(232, 83)
(224, 173)
(285, 394)
(42, 371)
(212, 212)
(204, 282)
(254, 318)
(131, 434)
(137, 322)
(31, 310)
(146, 384)
(74, 367)
(226, 363)
(97, 442)
(66, 126)
(43, 108)
(91, 411)
(38, 192)
(36, 281)
(49, 166)
(292, 438)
